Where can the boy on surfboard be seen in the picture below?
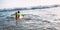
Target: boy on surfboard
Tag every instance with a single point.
(18, 16)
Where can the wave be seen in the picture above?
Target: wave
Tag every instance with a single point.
(28, 22)
(34, 7)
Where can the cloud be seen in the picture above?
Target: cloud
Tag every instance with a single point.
(26, 3)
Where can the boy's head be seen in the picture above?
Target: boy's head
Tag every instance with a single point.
(18, 11)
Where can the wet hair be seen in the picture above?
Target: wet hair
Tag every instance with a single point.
(18, 11)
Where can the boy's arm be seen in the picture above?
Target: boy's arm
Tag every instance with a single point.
(12, 14)
(23, 15)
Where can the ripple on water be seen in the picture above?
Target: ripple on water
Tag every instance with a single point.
(34, 23)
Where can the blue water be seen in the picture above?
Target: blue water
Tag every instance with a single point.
(29, 22)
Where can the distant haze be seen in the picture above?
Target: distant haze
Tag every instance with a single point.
(26, 3)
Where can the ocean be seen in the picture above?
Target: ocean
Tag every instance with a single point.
(36, 19)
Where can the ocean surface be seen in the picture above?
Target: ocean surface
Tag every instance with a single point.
(38, 19)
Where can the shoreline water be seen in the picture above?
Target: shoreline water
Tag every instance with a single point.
(34, 19)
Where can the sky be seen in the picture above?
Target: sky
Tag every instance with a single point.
(26, 3)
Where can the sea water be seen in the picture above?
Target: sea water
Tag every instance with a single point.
(38, 19)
